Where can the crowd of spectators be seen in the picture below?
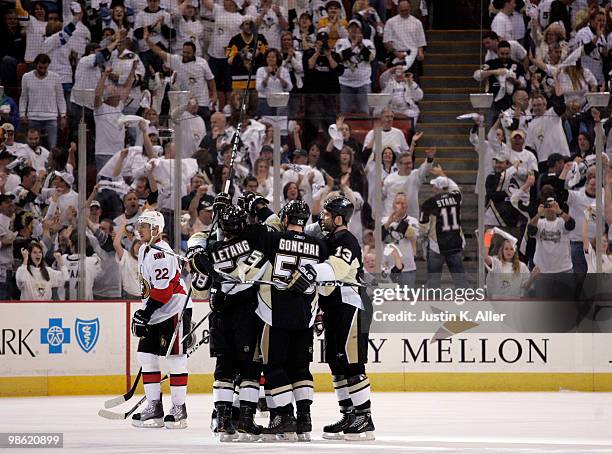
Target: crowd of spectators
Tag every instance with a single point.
(111, 64)
(542, 58)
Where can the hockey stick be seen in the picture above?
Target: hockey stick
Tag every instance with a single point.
(232, 280)
(284, 285)
(180, 321)
(115, 401)
(127, 396)
(119, 416)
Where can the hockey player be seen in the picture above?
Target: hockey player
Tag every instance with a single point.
(287, 336)
(163, 295)
(346, 328)
(286, 339)
(234, 327)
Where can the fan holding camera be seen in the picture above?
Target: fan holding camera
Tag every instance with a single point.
(357, 53)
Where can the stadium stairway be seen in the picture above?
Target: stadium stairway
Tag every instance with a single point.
(451, 58)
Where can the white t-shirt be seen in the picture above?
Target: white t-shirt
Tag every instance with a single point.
(591, 259)
(192, 76)
(577, 202)
(552, 254)
(357, 70)
(38, 157)
(92, 269)
(270, 27)
(545, 136)
(405, 34)
(527, 159)
(503, 25)
(128, 266)
(226, 25)
(34, 287)
(394, 138)
(404, 244)
(189, 30)
(503, 282)
(110, 134)
(408, 184)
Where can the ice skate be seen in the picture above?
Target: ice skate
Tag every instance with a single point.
(361, 427)
(151, 416)
(176, 417)
(304, 426)
(225, 428)
(248, 431)
(213, 423)
(335, 431)
(262, 408)
(283, 427)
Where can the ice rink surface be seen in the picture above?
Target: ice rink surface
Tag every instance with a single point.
(513, 423)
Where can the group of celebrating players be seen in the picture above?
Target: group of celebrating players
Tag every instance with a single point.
(272, 280)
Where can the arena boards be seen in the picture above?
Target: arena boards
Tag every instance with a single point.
(71, 348)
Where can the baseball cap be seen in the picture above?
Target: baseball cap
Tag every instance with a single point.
(95, 203)
(500, 156)
(67, 177)
(440, 182)
(266, 148)
(4, 154)
(8, 127)
(300, 152)
(518, 132)
(354, 22)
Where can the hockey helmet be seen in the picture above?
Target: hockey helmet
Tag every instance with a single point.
(232, 219)
(297, 212)
(340, 206)
(154, 219)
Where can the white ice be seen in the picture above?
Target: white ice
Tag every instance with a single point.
(496, 423)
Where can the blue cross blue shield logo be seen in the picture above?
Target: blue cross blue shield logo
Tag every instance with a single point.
(87, 333)
(56, 335)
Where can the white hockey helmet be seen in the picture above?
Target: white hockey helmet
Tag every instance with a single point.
(153, 218)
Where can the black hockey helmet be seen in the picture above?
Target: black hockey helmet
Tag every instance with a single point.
(232, 219)
(297, 212)
(340, 206)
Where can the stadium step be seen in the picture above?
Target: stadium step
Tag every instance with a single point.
(453, 163)
(451, 58)
(451, 46)
(435, 105)
(450, 70)
(448, 152)
(452, 35)
(449, 82)
(443, 116)
(443, 141)
(463, 58)
(453, 127)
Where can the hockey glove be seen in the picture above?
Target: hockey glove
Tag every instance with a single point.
(222, 199)
(139, 323)
(194, 255)
(216, 298)
(303, 278)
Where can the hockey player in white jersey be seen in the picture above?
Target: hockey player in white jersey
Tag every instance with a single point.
(163, 298)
